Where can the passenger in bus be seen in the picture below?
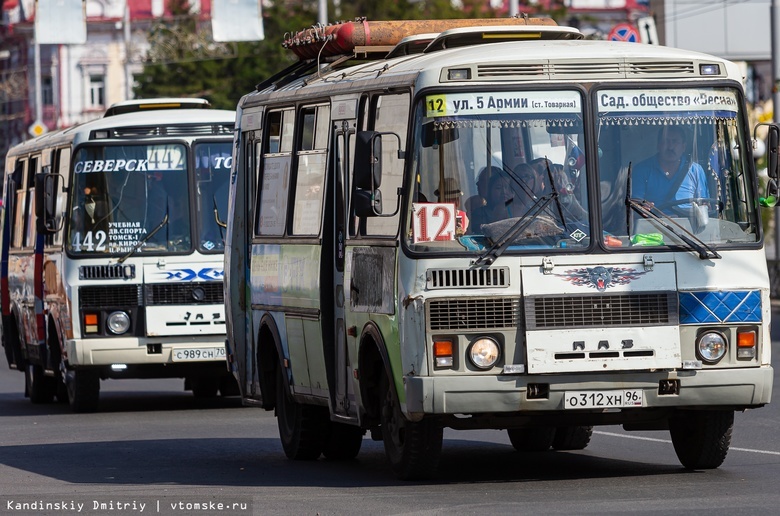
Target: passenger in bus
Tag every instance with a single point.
(572, 209)
(502, 202)
(669, 179)
(451, 193)
(476, 202)
(90, 211)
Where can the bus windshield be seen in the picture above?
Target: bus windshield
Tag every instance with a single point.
(495, 168)
(212, 175)
(122, 193)
(683, 155)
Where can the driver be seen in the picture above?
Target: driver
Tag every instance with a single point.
(669, 178)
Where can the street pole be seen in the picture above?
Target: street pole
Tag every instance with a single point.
(773, 26)
(322, 10)
(38, 94)
(514, 7)
(128, 50)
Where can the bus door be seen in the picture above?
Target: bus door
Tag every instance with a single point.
(342, 395)
(372, 242)
(26, 263)
(237, 248)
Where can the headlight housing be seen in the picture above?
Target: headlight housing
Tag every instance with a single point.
(118, 322)
(484, 353)
(711, 346)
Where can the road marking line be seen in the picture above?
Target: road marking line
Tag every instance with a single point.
(640, 438)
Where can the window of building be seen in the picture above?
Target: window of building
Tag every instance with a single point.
(97, 91)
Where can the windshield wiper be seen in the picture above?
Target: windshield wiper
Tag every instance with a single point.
(499, 246)
(145, 239)
(648, 211)
(554, 191)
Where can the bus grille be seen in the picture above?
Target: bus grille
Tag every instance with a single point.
(117, 271)
(650, 309)
(468, 278)
(172, 130)
(473, 313)
(202, 293)
(113, 296)
(585, 70)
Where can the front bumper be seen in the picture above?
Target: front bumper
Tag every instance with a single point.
(138, 351)
(507, 394)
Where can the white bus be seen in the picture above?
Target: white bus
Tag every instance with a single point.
(502, 227)
(112, 254)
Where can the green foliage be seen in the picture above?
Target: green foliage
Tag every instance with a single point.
(183, 61)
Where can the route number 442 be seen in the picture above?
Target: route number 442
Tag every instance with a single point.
(433, 222)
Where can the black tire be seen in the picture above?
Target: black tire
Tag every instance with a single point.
(343, 442)
(412, 448)
(572, 437)
(39, 387)
(531, 439)
(302, 428)
(701, 439)
(83, 390)
(205, 387)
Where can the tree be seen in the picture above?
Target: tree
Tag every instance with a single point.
(184, 61)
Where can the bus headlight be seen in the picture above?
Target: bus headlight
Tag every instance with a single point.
(484, 353)
(118, 322)
(711, 346)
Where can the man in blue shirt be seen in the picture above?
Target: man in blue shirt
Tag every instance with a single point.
(669, 175)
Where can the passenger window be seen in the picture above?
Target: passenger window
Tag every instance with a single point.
(274, 173)
(311, 165)
(29, 224)
(389, 113)
(61, 165)
(18, 209)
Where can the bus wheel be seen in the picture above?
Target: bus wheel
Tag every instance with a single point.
(301, 427)
(40, 388)
(413, 448)
(83, 390)
(343, 441)
(701, 439)
(531, 439)
(572, 437)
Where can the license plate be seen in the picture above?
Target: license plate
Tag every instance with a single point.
(603, 399)
(195, 354)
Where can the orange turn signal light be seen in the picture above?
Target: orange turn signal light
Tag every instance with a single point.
(746, 339)
(442, 348)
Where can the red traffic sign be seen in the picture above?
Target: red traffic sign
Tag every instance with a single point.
(624, 32)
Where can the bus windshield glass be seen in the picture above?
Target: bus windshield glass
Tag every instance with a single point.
(212, 176)
(499, 169)
(124, 193)
(683, 156)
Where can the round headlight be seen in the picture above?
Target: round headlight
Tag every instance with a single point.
(712, 346)
(484, 353)
(118, 322)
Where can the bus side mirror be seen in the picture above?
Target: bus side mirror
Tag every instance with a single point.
(368, 160)
(773, 143)
(367, 203)
(46, 188)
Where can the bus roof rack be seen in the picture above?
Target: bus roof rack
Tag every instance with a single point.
(136, 105)
(468, 36)
(412, 45)
(322, 41)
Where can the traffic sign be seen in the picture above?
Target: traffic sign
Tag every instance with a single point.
(647, 31)
(624, 32)
(37, 129)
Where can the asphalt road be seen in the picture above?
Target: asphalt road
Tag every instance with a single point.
(154, 449)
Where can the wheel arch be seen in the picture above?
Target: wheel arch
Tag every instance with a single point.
(373, 363)
(269, 356)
